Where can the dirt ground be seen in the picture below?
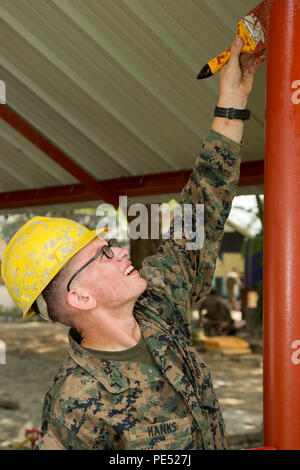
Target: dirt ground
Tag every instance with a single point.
(35, 351)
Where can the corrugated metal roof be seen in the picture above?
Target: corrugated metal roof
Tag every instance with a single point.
(113, 84)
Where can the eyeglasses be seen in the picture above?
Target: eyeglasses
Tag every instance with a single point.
(105, 250)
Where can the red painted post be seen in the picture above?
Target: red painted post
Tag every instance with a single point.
(282, 230)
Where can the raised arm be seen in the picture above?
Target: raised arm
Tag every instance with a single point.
(178, 276)
(236, 82)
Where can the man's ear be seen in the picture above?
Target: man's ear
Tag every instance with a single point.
(81, 299)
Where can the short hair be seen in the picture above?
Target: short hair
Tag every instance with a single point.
(53, 295)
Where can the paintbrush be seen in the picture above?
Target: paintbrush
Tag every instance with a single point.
(252, 28)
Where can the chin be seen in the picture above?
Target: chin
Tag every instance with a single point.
(141, 286)
(136, 288)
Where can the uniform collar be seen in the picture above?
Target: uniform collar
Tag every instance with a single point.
(104, 371)
(114, 374)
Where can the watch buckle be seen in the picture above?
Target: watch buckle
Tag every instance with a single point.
(230, 113)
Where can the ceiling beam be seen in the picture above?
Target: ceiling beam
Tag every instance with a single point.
(97, 188)
(251, 174)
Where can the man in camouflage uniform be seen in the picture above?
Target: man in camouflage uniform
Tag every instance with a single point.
(217, 320)
(132, 379)
(233, 283)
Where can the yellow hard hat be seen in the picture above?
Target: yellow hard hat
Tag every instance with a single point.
(36, 253)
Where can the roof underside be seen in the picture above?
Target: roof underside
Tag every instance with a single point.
(113, 85)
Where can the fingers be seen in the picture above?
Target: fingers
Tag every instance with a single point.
(254, 63)
(244, 58)
(260, 59)
(235, 51)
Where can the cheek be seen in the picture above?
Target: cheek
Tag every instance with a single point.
(106, 284)
(111, 288)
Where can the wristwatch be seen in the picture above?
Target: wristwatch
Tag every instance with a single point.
(231, 113)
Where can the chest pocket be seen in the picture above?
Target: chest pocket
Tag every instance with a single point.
(174, 434)
(150, 414)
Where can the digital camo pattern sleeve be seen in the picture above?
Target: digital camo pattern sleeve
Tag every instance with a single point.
(180, 276)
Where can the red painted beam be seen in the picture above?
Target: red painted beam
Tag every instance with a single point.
(264, 448)
(252, 173)
(39, 140)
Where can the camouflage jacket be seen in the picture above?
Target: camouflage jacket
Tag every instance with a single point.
(100, 404)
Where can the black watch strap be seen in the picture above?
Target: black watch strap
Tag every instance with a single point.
(231, 113)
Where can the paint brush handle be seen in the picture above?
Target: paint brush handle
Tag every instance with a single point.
(214, 65)
(217, 63)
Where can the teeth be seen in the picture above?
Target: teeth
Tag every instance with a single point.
(128, 270)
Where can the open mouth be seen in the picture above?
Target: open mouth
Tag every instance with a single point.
(129, 270)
